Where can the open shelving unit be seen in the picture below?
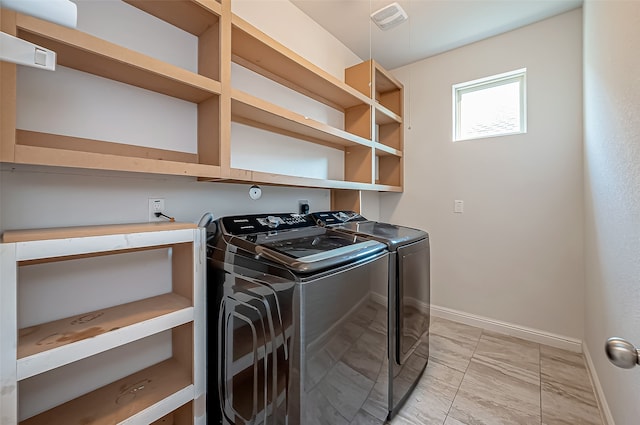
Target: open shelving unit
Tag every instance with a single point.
(370, 99)
(366, 114)
(86, 53)
(170, 388)
(386, 124)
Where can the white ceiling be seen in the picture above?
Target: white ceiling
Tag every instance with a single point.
(434, 26)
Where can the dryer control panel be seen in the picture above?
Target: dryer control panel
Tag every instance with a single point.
(327, 218)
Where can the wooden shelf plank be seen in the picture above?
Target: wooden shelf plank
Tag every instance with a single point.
(57, 141)
(259, 113)
(249, 176)
(143, 397)
(383, 150)
(385, 116)
(36, 155)
(84, 52)
(89, 231)
(54, 344)
(194, 16)
(286, 180)
(385, 82)
(107, 244)
(255, 50)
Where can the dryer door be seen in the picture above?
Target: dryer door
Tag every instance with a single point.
(413, 298)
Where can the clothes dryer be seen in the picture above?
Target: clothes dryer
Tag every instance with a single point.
(407, 291)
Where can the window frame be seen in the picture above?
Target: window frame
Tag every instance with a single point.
(458, 90)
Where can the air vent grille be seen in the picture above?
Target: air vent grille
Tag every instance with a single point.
(389, 16)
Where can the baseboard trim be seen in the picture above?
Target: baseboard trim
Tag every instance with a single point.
(529, 334)
(605, 412)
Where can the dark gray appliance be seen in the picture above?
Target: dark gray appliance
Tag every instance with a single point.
(290, 321)
(408, 295)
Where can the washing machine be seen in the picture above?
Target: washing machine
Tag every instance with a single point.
(290, 319)
(407, 291)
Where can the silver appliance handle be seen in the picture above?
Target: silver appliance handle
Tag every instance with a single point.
(622, 353)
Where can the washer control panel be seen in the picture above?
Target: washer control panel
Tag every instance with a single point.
(246, 224)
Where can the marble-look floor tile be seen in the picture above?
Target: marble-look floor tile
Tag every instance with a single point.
(567, 393)
(437, 387)
(567, 368)
(452, 344)
(423, 418)
(455, 330)
(477, 377)
(561, 406)
(488, 396)
(403, 420)
(450, 352)
(453, 421)
(416, 408)
(508, 350)
(513, 356)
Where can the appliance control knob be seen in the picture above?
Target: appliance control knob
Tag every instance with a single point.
(273, 221)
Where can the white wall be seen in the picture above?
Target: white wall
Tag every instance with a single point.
(515, 254)
(612, 193)
(290, 26)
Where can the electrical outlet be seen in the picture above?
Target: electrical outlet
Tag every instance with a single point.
(303, 206)
(156, 205)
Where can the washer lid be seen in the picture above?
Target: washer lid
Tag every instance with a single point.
(391, 234)
(313, 249)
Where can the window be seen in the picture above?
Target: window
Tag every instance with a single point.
(492, 106)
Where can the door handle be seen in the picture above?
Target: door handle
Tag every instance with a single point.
(622, 353)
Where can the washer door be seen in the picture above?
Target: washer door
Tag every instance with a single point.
(413, 298)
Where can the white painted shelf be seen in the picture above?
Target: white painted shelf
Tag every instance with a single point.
(151, 394)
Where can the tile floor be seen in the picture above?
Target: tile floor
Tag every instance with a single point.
(477, 377)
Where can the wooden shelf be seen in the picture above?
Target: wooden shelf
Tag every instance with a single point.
(249, 176)
(390, 170)
(192, 16)
(89, 231)
(388, 90)
(54, 344)
(370, 99)
(65, 151)
(386, 116)
(255, 50)
(252, 111)
(143, 397)
(384, 150)
(84, 52)
(159, 390)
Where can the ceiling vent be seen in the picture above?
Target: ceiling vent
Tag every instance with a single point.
(389, 16)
